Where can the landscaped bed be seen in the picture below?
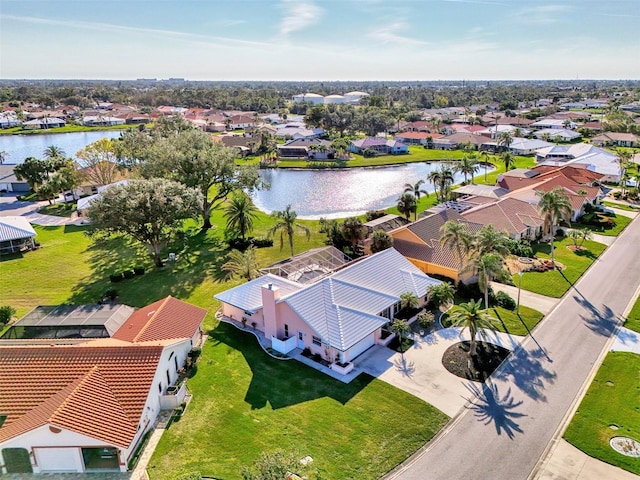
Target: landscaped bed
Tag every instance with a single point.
(245, 402)
(488, 357)
(610, 409)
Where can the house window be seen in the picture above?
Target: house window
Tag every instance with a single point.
(160, 387)
(175, 362)
(168, 378)
(286, 330)
(316, 341)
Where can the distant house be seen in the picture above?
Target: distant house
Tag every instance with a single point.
(451, 142)
(413, 137)
(9, 119)
(557, 134)
(520, 219)
(618, 139)
(84, 404)
(9, 182)
(553, 123)
(16, 235)
(312, 149)
(594, 158)
(43, 123)
(380, 145)
(237, 122)
(294, 131)
(244, 145)
(526, 146)
(102, 121)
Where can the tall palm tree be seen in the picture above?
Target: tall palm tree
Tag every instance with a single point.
(416, 189)
(408, 300)
(380, 241)
(488, 267)
(243, 264)
(441, 294)
(354, 232)
(504, 139)
(468, 165)
(486, 156)
(624, 157)
(472, 317)
(286, 225)
(240, 214)
(554, 207)
(507, 158)
(442, 180)
(400, 328)
(407, 205)
(490, 240)
(53, 152)
(456, 236)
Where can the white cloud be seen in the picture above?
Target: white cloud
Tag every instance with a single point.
(389, 35)
(542, 14)
(298, 16)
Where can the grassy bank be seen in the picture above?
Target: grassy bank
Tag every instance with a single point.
(65, 129)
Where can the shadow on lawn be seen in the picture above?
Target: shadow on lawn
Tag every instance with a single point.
(198, 257)
(489, 406)
(283, 383)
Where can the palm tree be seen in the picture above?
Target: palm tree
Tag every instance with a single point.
(380, 241)
(3, 156)
(442, 179)
(416, 189)
(579, 236)
(486, 162)
(408, 300)
(243, 264)
(624, 156)
(400, 328)
(240, 214)
(53, 152)
(490, 240)
(456, 236)
(554, 207)
(441, 294)
(507, 158)
(504, 139)
(407, 205)
(488, 267)
(472, 317)
(286, 224)
(468, 165)
(354, 232)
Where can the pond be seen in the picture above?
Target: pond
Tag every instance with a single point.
(341, 192)
(20, 147)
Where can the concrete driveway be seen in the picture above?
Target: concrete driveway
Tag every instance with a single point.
(420, 371)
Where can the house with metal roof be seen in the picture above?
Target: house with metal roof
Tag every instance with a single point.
(83, 404)
(16, 235)
(339, 316)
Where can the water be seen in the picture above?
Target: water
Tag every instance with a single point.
(341, 193)
(20, 147)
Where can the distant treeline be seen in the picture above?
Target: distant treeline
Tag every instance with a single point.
(276, 96)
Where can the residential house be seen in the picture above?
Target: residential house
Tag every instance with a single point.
(418, 126)
(526, 146)
(312, 149)
(83, 405)
(557, 134)
(16, 235)
(9, 182)
(244, 145)
(553, 123)
(237, 122)
(416, 137)
(520, 219)
(43, 123)
(9, 119)
(101, 121)
(596, 159)
(339, 316)
(294, 131)
(457, 140)
(617, 139)
(380, 145)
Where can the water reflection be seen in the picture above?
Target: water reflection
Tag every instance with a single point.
(340, 193)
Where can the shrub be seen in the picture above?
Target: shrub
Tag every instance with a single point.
(189, 476)
(504, 300)
(262, 242)
(373, 214)
(138, 270)
(116, 277)
(195, 353)
(425, 319)
(368, 153)
(617, 195)
(111, 294)
(306, 352)
(128, 274)
(6, 314)
(520, 248)
(316, 357)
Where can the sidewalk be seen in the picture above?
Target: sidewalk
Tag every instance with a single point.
(11, 206)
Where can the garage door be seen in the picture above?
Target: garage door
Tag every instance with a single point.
(58, 459)
(361, 346)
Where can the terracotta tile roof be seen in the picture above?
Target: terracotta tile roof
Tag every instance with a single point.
(432, 253)
(165, 319)
(61, 385)
(509, 214)
(428, 228)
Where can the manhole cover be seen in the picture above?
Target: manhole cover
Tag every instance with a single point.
(626, 446)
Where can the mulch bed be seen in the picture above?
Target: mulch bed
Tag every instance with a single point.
(394, 344)
(488, 358)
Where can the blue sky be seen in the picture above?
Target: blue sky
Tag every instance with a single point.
(320, 39)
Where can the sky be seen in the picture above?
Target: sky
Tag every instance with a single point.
(320, 39)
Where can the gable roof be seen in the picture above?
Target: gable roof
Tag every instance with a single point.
(248, 296)
(165, 319)
(61, 385)
(15, 228)
(509, 214)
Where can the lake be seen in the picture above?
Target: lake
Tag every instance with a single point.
(20, 147)
(341, 193)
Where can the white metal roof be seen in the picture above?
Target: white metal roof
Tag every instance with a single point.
(248, 296)
(14, 228)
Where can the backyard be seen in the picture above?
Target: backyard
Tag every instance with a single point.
(246, 402)
(609, 409)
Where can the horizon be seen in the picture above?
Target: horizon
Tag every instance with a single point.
(305, 40)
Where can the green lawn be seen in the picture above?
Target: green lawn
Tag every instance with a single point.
(633, 319)
(621, 206)
(621, 224)
(65, 129)
(245, 402)
(510, 322)
(60, 209)
(555, 283)
(612, 399)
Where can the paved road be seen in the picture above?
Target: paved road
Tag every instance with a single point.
(503, 434)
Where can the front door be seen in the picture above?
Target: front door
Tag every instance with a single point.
(300, 340)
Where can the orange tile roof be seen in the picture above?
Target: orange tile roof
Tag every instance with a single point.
(61, 386)
(165, 319)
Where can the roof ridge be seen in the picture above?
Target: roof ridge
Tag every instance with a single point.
(150, 320)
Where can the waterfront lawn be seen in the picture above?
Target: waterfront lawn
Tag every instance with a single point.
(621, 224)
(554, 283)
(612, 399)
(66, 129)
(633, 319)
(245, 402)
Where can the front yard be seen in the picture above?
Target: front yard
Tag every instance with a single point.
(609, 409)
(554, 283)
(621, 223)
(633, 319)
(246, 402)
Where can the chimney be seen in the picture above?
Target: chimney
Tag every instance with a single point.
(270, 295)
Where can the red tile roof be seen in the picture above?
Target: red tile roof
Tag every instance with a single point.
(509, 214)
(168, 318)
(61, 386)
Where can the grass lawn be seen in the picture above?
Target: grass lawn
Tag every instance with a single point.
(633, 319)
(612, 399)
(621, 206)
(245, 403)
(65, 129)
(510, 322)
(555, 283)
(60, 209)
(621, 224)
